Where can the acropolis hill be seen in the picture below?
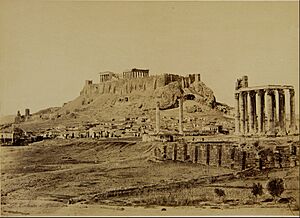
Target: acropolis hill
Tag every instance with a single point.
(167, 87)
(133, 94)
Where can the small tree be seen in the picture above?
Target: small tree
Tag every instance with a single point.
(220, 193)
(275, 187)
(257, 189)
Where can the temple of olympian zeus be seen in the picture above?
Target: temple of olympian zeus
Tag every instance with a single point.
(250, 115)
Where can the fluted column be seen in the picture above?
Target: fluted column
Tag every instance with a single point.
(242, 112)
(274, 108)
(261, 120)
(270, 109)
(237, 113)
(157, 117)
(292, 111)
(246, 112)
(252, 112)
(281, 99)
(180, 126)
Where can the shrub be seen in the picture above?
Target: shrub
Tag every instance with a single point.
(220, 193)
(275, 187)
(257, 189)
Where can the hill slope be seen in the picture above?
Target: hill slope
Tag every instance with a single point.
(124, 98)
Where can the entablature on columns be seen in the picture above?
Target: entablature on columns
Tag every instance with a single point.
(264, 88)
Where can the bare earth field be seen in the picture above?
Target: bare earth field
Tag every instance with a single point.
(111, 177)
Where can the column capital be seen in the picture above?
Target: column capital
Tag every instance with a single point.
(280, 91)
(252, 93)
(236, 95)
(292, 92)
(260, 92)
(270, 91)
(244, 93)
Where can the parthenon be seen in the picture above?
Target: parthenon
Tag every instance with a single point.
(250, 104)
(135, 73)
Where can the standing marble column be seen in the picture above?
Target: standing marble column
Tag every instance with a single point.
(157, 117)
(270, 109)
(182, 83)
(242, 112)
(246, 112)
(281, 112)
(237, 113)
(180, 126)
(274, 107)
(292, 111)
(261, 111)
(252, 114)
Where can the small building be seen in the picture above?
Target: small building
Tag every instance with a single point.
(161, 137)
(12, 136)
(105, 76)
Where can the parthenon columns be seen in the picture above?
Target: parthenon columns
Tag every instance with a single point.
(251, 117)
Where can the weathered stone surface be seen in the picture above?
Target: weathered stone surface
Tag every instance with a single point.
(168, 95)
(202, 93)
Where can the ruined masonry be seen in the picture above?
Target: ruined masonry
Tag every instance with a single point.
(256, 109)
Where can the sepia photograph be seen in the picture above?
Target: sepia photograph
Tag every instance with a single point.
(149, 108)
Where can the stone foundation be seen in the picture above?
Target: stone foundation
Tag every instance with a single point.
(229, 154)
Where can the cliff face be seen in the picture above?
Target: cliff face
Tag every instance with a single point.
(165, 88)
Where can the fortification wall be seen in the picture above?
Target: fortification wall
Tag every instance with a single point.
(125, 86)
(166, 87)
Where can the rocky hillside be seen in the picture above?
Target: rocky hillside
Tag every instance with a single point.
(128, 98)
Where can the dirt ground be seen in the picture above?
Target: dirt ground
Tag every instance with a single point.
(66, 177)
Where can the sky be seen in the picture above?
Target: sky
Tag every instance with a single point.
(49, 48)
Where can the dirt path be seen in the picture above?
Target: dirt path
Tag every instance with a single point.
(103, 210)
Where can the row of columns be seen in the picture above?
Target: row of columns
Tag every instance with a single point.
(135, 74)
(250, 119)
(104, 77)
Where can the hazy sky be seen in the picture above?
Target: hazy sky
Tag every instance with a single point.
(48, 49)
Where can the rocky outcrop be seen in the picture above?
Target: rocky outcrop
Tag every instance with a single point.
(203, 94)
(167, 88)
(168, 95)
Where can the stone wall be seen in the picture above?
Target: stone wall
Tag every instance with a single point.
(124, 86)
(229, 154)
(139, 84)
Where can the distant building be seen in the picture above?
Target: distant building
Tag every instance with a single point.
(12, 136)
(21, 118)
(135, 73)
(106, 76)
